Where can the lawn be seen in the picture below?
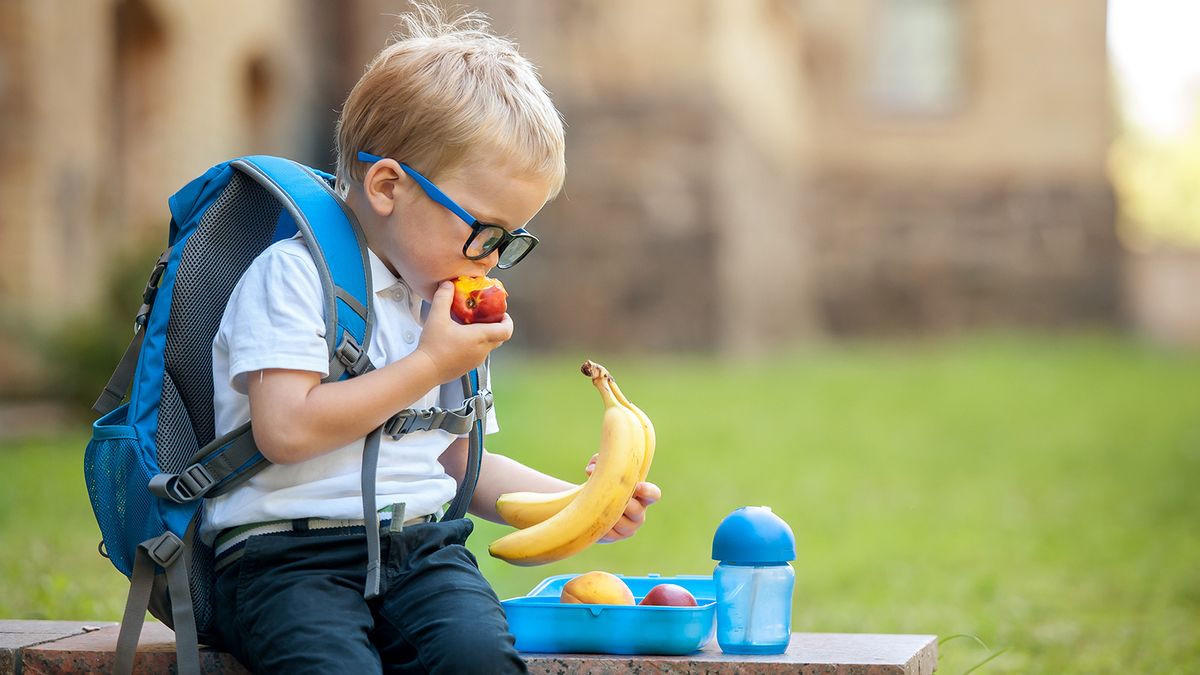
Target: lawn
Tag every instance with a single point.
(1039, 494)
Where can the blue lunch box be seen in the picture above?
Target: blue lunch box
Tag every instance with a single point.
(541, 623)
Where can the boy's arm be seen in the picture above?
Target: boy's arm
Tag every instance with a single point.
(499, 474)
(296, 417)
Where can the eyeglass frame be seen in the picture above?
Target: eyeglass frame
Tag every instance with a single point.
(433, 192)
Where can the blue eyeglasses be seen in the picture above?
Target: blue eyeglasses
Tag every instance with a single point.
(485, 238)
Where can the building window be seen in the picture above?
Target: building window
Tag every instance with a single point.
(917, 64)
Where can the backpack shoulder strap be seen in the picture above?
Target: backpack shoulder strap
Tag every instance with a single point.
(473, 389)
(338, 247)
(335, 241)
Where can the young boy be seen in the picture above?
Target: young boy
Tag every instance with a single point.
(449, 107)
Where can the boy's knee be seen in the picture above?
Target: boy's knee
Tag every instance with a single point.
(475, 653)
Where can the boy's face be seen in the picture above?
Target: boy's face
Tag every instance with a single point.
(423, 240)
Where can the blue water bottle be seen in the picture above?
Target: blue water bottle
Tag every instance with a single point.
(754, 581)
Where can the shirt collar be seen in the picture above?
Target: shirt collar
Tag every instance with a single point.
(382, 278)
(383, 282)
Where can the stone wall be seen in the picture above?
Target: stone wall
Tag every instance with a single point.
(733, 183)
(627, 250)
(909, 255)
(686, 129)
(109, 106)
(1030, 96)
(817, 207)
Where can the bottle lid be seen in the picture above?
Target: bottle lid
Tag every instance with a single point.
(753, 535)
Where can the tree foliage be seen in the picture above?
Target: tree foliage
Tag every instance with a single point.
(1157, 181)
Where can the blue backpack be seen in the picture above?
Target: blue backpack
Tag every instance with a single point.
(153, 459)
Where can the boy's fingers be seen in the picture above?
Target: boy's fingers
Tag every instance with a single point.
(635, 511)
(633, 517)
(628, 525)
(618, 532)
(624, 528)
(497, 332)
(441, 299)
(647, 493)
(507, 325)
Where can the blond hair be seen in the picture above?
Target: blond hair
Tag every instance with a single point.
(446, 92)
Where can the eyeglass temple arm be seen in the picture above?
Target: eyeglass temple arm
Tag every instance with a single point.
(430, 189)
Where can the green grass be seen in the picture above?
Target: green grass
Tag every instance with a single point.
(1037, 493)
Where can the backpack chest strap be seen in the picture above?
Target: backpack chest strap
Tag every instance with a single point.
(457, 421)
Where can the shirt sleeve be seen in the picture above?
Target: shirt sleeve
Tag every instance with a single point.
(275, 316)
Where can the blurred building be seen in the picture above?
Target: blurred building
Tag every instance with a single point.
(753, 171)
(740, 173)
(108, 106)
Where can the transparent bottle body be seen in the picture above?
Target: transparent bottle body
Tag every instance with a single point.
(754, 608)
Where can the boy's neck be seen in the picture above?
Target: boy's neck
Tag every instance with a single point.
(370, 223)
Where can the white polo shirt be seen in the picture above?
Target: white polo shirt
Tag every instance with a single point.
(275, 319)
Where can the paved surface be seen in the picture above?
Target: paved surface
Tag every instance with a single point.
(36, 647)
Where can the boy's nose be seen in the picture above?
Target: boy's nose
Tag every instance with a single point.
(491, 259)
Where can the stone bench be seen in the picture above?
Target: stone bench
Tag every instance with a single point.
(37, 647)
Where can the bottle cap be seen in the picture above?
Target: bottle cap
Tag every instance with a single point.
(753, 535)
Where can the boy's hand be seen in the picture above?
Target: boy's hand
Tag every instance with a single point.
(455, 348)
(644, 495)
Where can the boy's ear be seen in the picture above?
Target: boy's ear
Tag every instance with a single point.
(382, 186)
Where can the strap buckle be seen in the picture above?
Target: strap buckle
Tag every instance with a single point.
(407, 421)
(482, 403)
(155, 277)
(188, 485)
(194, 481)
(352, 356)
(151, 291)
(457, 421)
(164, 549)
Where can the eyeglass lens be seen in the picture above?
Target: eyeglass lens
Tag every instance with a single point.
(487, 237)
(484, 240)
(516, 249)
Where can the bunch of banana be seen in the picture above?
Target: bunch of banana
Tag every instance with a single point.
(523, 509)
(561, 524)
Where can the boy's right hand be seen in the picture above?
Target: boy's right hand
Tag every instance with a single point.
(456, 348)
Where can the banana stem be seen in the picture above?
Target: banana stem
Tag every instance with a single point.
(593, 370)
(602, 381)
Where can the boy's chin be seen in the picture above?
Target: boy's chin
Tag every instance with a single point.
(425, 291)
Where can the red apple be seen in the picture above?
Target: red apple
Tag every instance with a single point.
(478, 300)
(670, 595)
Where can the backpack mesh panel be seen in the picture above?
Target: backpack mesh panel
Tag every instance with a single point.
(200, 576)
(173, 418)
(234, 230)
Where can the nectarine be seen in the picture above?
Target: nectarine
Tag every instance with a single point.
(670, 595)
(597, 588)
(478, 300)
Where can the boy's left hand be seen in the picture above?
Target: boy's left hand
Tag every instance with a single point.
(644, 495)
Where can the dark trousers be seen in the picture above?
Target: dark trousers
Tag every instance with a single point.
(293, 603)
